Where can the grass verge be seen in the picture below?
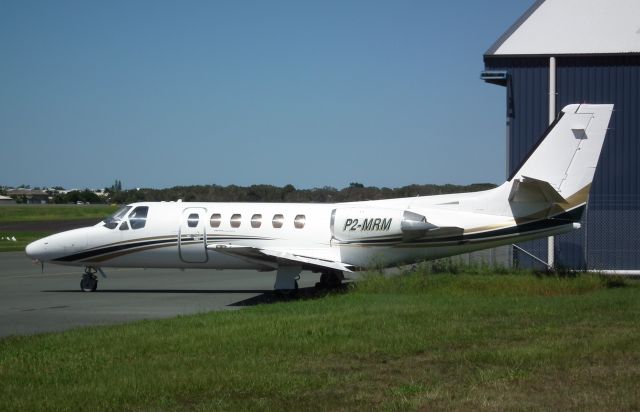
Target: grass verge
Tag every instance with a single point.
(30, 213)
(22, 240)
(416, 341)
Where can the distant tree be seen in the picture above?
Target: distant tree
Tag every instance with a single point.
(84, 196)
(288, 193)
(116, 187)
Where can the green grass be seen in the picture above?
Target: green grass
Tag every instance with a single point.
(30, 213)
(43, 213)
(22, 240)
(416, 341)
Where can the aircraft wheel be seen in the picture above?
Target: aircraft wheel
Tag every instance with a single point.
(89, 283)
(330, 280)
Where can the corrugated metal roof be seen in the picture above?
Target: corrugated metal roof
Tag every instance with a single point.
(561, 27)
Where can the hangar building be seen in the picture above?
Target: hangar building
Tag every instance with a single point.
(573, 51)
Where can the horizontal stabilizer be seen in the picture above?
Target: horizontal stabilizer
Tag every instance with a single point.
(530, 190)
(275, 258)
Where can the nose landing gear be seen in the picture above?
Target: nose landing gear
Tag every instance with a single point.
(89, 282)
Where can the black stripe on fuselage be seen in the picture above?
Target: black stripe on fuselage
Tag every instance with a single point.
(231, 237)
(92, 253)
(110, 249)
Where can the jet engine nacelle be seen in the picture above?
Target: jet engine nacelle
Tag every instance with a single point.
(353, 224)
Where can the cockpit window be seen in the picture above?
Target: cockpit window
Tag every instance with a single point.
(112, 221)
(124, 226)
(138, 218)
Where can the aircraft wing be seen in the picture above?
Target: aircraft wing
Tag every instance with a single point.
(308, 260)
(273, 258)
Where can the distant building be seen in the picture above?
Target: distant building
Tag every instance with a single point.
(573, 51)
(29, 196)
(6, 200)
(67, 191)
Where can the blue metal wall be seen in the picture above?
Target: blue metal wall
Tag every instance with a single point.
(611, 226)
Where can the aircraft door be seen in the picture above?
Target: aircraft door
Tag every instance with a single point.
(192, 244)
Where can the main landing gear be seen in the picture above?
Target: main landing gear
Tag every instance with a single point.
(89, 282)
(287, 279)
(330, 279)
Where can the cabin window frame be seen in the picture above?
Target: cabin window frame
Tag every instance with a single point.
(235, 221)
(277, 221)
(299, 221)
(215, 220)
(192, 221)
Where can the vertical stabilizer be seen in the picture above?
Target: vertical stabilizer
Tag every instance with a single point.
(567, 156)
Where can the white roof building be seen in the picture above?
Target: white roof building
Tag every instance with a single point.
(562, 27)
(562, 52)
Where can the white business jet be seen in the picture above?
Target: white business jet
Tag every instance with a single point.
(545, 197)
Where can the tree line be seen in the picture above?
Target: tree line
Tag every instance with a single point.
(288, 193)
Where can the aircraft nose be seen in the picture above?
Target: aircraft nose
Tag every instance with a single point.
(55, 246)
(36, 250)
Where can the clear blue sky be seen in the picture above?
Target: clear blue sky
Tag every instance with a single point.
(164, 93)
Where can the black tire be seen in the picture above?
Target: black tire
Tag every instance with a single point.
(88, 284)
(330, 280)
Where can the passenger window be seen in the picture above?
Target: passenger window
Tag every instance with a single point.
(192, 220)
(277, 221)
(124, 226)
(236, 220)
(256, 221)
(215, 220)
(299, 221)
(138, 218)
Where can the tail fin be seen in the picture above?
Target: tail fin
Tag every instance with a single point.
(567, 156)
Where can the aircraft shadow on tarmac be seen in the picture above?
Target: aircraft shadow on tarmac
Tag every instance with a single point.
(301, 294)
(263, 297)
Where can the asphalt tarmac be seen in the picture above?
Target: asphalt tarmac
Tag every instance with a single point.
(34, 302)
